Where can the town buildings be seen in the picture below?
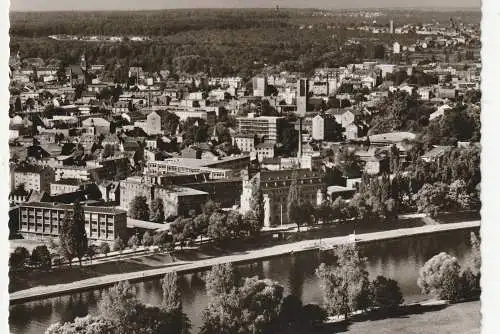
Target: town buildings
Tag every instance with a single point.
(36, 178)
(275, 186)
(42, 221)
(267, 128)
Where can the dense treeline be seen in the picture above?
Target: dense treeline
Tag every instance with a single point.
(211, 51)
(215, 42)
(150, 23)
(163, 22)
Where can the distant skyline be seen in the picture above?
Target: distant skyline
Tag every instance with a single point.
(68, 5)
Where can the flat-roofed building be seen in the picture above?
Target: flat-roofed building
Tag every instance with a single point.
(216, 168)
(268, 128)
(177, 200)
(39, 220)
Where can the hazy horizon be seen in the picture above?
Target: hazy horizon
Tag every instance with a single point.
(98, 5)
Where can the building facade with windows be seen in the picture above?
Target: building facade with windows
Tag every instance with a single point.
(275, 186)
(36, 178)
(40, 220)
(268, 128)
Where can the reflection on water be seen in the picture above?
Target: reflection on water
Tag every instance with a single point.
(399, 259)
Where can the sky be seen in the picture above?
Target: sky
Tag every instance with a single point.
(43, 5)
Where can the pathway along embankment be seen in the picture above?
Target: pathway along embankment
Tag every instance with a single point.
(43, 292)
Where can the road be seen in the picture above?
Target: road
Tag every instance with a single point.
(42, 292)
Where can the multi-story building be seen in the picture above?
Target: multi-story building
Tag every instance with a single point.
(268, 128)
(245, 143)
(64, 186)
(323, 127)
(177, 200)
(265, 151)
(259, 86)
(114, 168)
(36, 178)
(39, 220)
(275, 186)
(225, 192)
(216, 169)
(82, 173)
(156, 122)
(302, 96)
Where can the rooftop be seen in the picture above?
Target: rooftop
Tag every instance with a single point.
(87, 208)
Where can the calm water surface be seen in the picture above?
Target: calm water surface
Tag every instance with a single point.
(399, 259)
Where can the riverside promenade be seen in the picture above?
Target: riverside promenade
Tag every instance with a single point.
(43, 292)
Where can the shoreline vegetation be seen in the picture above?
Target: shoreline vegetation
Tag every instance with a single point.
(239, 304)
(43, 292)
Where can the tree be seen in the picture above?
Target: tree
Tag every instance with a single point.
(163, 240)
(349, 163)
(104, 248)
(172, 304)
(73, 236)
(157, 213)
(201, 224)
(40, 257)
(108, 151)
(458, 194)
(313, 315)
(86, 325)
(475, 254)
(386, 293)
(440, 277)
(118, 303)
(91, 252)
(218, 229)
(220, 279)
(345, 284)
(432, 198)
(291, 311)
(171, 294)
(251, 307)
(255, 217)
(292, 207)
(133, 241)
(290, 139)
(394, 159)
(17, 104)
(139, 208)
(18, 258)
(118, 244)
(147, 239)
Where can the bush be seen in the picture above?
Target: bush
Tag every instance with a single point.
(104, 248)
(313, 315)
(119, 244)
(386, 293)
(133, 242)
(40, 257)
(440, 277)
(19, 258)
(147, 239)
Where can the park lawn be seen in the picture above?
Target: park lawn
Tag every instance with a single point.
(463, 318)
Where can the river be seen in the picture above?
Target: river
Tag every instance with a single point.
(399, 259)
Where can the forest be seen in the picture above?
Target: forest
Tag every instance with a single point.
(215, 42)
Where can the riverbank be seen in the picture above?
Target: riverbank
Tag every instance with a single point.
(455, 318)
(42, 292)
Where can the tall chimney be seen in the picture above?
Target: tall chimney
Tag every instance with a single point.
(299, 152)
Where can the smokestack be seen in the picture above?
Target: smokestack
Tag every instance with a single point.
(299, 152)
